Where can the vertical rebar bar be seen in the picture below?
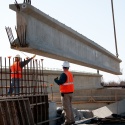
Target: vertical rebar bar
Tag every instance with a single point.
(6, 75)
(42, 76)
(27, 85)
(45, 105)
(21, 82)
(9, 57)
(24, 78)
(37, 77)
(33, 77)
(1, 85)
(14, 80)
(30, 89)
(41, 111)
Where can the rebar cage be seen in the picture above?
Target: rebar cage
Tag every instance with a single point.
(30, 105)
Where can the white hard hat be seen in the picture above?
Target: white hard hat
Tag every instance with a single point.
(66, 64)
(18, 56)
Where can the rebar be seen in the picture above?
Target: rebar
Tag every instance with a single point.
(31, 86)
(32, 82)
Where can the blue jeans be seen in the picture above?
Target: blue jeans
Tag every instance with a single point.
(15, 86)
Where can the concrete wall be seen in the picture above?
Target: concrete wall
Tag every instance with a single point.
(52, 113)
(92, 98)
(81, 80)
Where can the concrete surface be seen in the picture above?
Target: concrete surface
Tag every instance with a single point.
(52, 112)
(106, 111)
(48, 37)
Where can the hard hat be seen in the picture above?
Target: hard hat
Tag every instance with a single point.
(66, 64)
(17, 56)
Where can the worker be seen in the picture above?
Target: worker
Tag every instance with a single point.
(16, 74)
(66, 85)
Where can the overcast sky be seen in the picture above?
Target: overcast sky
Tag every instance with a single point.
(91, 18)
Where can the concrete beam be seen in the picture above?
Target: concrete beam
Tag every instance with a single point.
(48, 37)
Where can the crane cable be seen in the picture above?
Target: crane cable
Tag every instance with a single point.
(116, 98)
(114, 28)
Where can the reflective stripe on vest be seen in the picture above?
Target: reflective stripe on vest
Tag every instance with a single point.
(16, 70)
(68, 83)
(68, 86)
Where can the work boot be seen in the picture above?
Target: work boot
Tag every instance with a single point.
(72, 123)
(65, 124)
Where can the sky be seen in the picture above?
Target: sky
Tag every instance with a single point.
(91, 18)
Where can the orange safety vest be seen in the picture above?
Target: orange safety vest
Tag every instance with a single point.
(68, 86)
(16, 70)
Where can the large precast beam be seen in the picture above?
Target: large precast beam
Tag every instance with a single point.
(48, 37)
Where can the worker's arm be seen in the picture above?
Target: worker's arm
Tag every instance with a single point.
(61, 80)
(25, 62)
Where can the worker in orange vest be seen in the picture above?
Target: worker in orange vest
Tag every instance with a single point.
(16, 73)
(66, 85)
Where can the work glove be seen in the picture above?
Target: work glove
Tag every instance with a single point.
(34, 56)
(62, 94)
(56, 78)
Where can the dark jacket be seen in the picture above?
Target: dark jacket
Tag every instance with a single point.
(61, 80)
(25, 62)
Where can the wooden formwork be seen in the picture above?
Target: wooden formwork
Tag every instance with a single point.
(15, 112)
(39, 107)
(25, 110)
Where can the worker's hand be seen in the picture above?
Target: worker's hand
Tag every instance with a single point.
(34, 56)
(56, 78)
